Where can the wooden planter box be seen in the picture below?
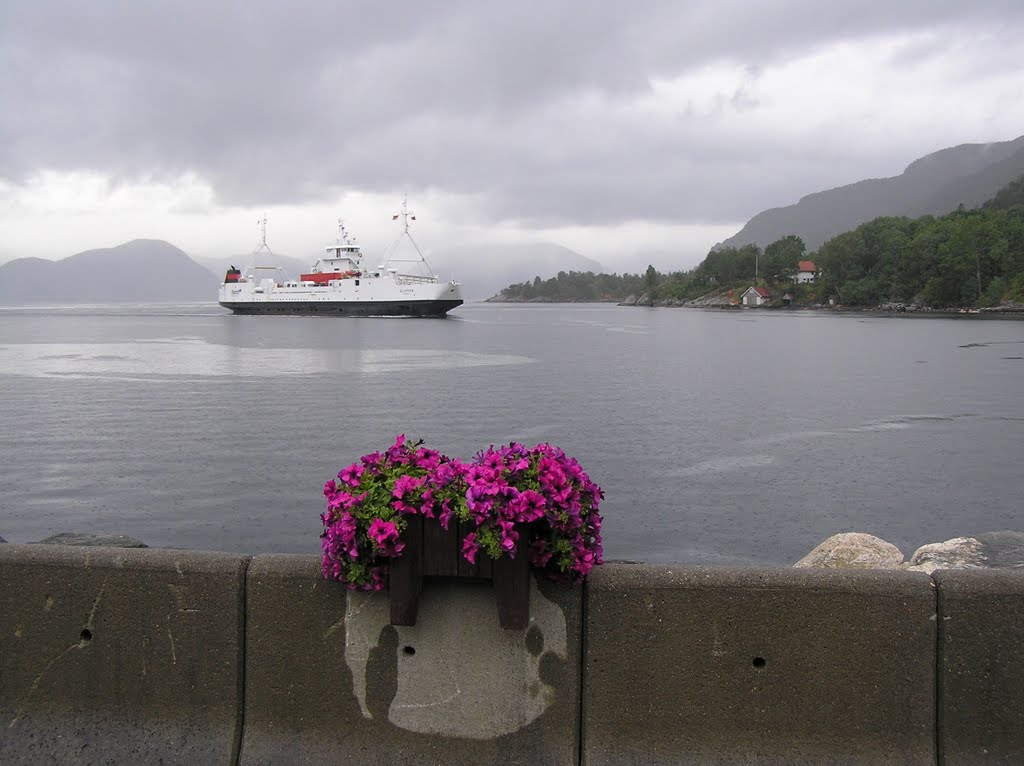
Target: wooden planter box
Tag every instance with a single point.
(431, 551)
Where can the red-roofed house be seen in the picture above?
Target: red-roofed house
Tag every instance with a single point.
(756, 296)
(806, 271)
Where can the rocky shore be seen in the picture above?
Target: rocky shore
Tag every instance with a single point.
(723, 301)
(857, 550)
(77, 538)
(711, 301)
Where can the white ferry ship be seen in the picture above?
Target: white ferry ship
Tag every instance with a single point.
(340, 285)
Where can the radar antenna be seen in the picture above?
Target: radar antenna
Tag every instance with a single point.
(344, 238)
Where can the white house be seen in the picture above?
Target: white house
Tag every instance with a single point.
(755, 296)
(806, 271)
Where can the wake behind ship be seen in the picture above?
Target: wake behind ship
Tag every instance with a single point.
(340, 285)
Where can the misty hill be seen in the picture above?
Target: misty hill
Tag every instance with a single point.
(143, 270)
(935, 184)
(484, 270)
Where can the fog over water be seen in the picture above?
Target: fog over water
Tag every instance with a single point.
(722, 438)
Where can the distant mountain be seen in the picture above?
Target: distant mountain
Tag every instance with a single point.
(140, 271)
(484, 270)
(935, 184)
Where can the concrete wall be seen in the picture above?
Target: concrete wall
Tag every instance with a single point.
(111, 655)
(981, 663)
(142, 656)
(329, 680)
(706, 666)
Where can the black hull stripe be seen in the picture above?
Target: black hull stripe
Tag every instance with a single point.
(347, 308)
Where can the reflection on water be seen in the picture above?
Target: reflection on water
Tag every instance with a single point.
(157, 358)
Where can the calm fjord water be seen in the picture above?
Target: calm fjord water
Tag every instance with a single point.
(722, 438)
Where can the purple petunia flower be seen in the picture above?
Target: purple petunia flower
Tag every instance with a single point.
(528, 506)
(470, 547)
(405, 487)
(385, 537)
(509, 537)
(350, 474)
(502, 487)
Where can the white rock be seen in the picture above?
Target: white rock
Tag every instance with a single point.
(853, 550)
(958, 553)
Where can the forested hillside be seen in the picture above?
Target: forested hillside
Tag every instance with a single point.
(968, 258)
(572, 286)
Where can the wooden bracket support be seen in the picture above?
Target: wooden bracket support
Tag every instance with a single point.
(431, 551)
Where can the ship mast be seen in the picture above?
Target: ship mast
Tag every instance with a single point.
(263, 238)
(260, 248)
(405, 214)
(344, 238)
(389, 254)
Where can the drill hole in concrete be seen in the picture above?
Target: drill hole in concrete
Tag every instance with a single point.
(85, 635)
(409, 650)
(759, 662)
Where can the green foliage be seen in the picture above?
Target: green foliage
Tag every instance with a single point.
(994, 293)
(728, 265)
(1016, 291)
(781, 258)
(650, 279)
(966, 258)
(576, 286)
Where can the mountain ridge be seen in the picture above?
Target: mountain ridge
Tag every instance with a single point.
(137, 271)
(934, 184)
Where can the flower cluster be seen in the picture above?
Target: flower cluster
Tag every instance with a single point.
(503, 493)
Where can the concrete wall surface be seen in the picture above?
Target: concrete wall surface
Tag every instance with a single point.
(329, 680)
(981, 666)
(112, 655)
(706, 666)
(128, 656)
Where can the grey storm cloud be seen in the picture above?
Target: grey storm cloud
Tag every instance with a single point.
(276, 102)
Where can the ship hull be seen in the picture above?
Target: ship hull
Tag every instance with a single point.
(387, 308)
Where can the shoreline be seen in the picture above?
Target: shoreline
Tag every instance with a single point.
(984, 313)
(872, 312)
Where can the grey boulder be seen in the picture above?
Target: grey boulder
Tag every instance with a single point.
(997, 550)
(108, 541)
(853, 550)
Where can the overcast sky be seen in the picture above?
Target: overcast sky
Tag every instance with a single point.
(629, 131)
